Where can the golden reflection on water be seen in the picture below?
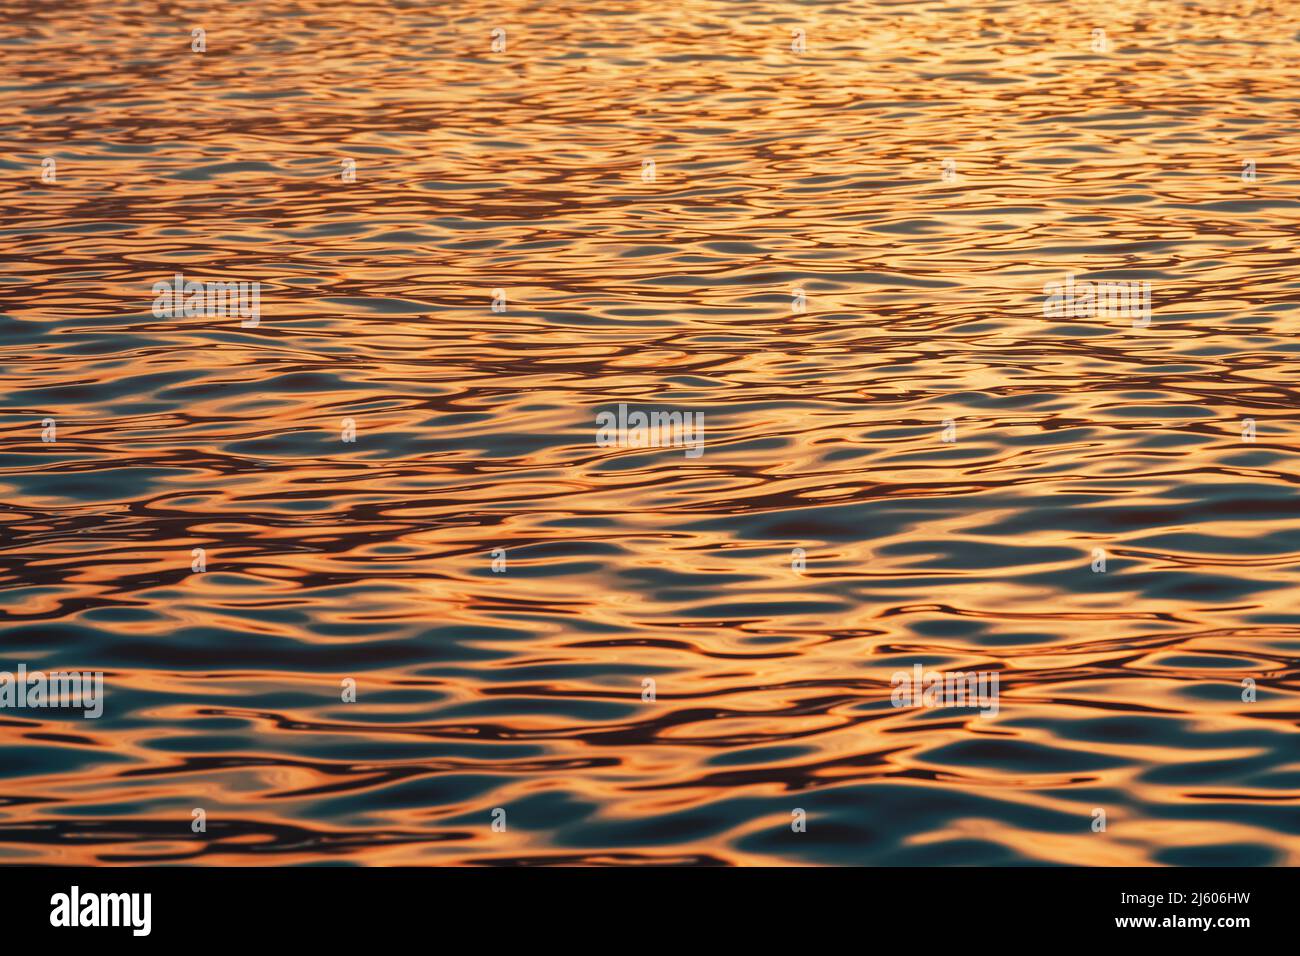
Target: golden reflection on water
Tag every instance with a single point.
(522, 689)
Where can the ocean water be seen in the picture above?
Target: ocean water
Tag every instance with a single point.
(826, 229)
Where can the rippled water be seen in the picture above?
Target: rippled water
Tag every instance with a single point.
(522, 689)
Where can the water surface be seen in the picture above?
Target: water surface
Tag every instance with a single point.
(522, 689)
